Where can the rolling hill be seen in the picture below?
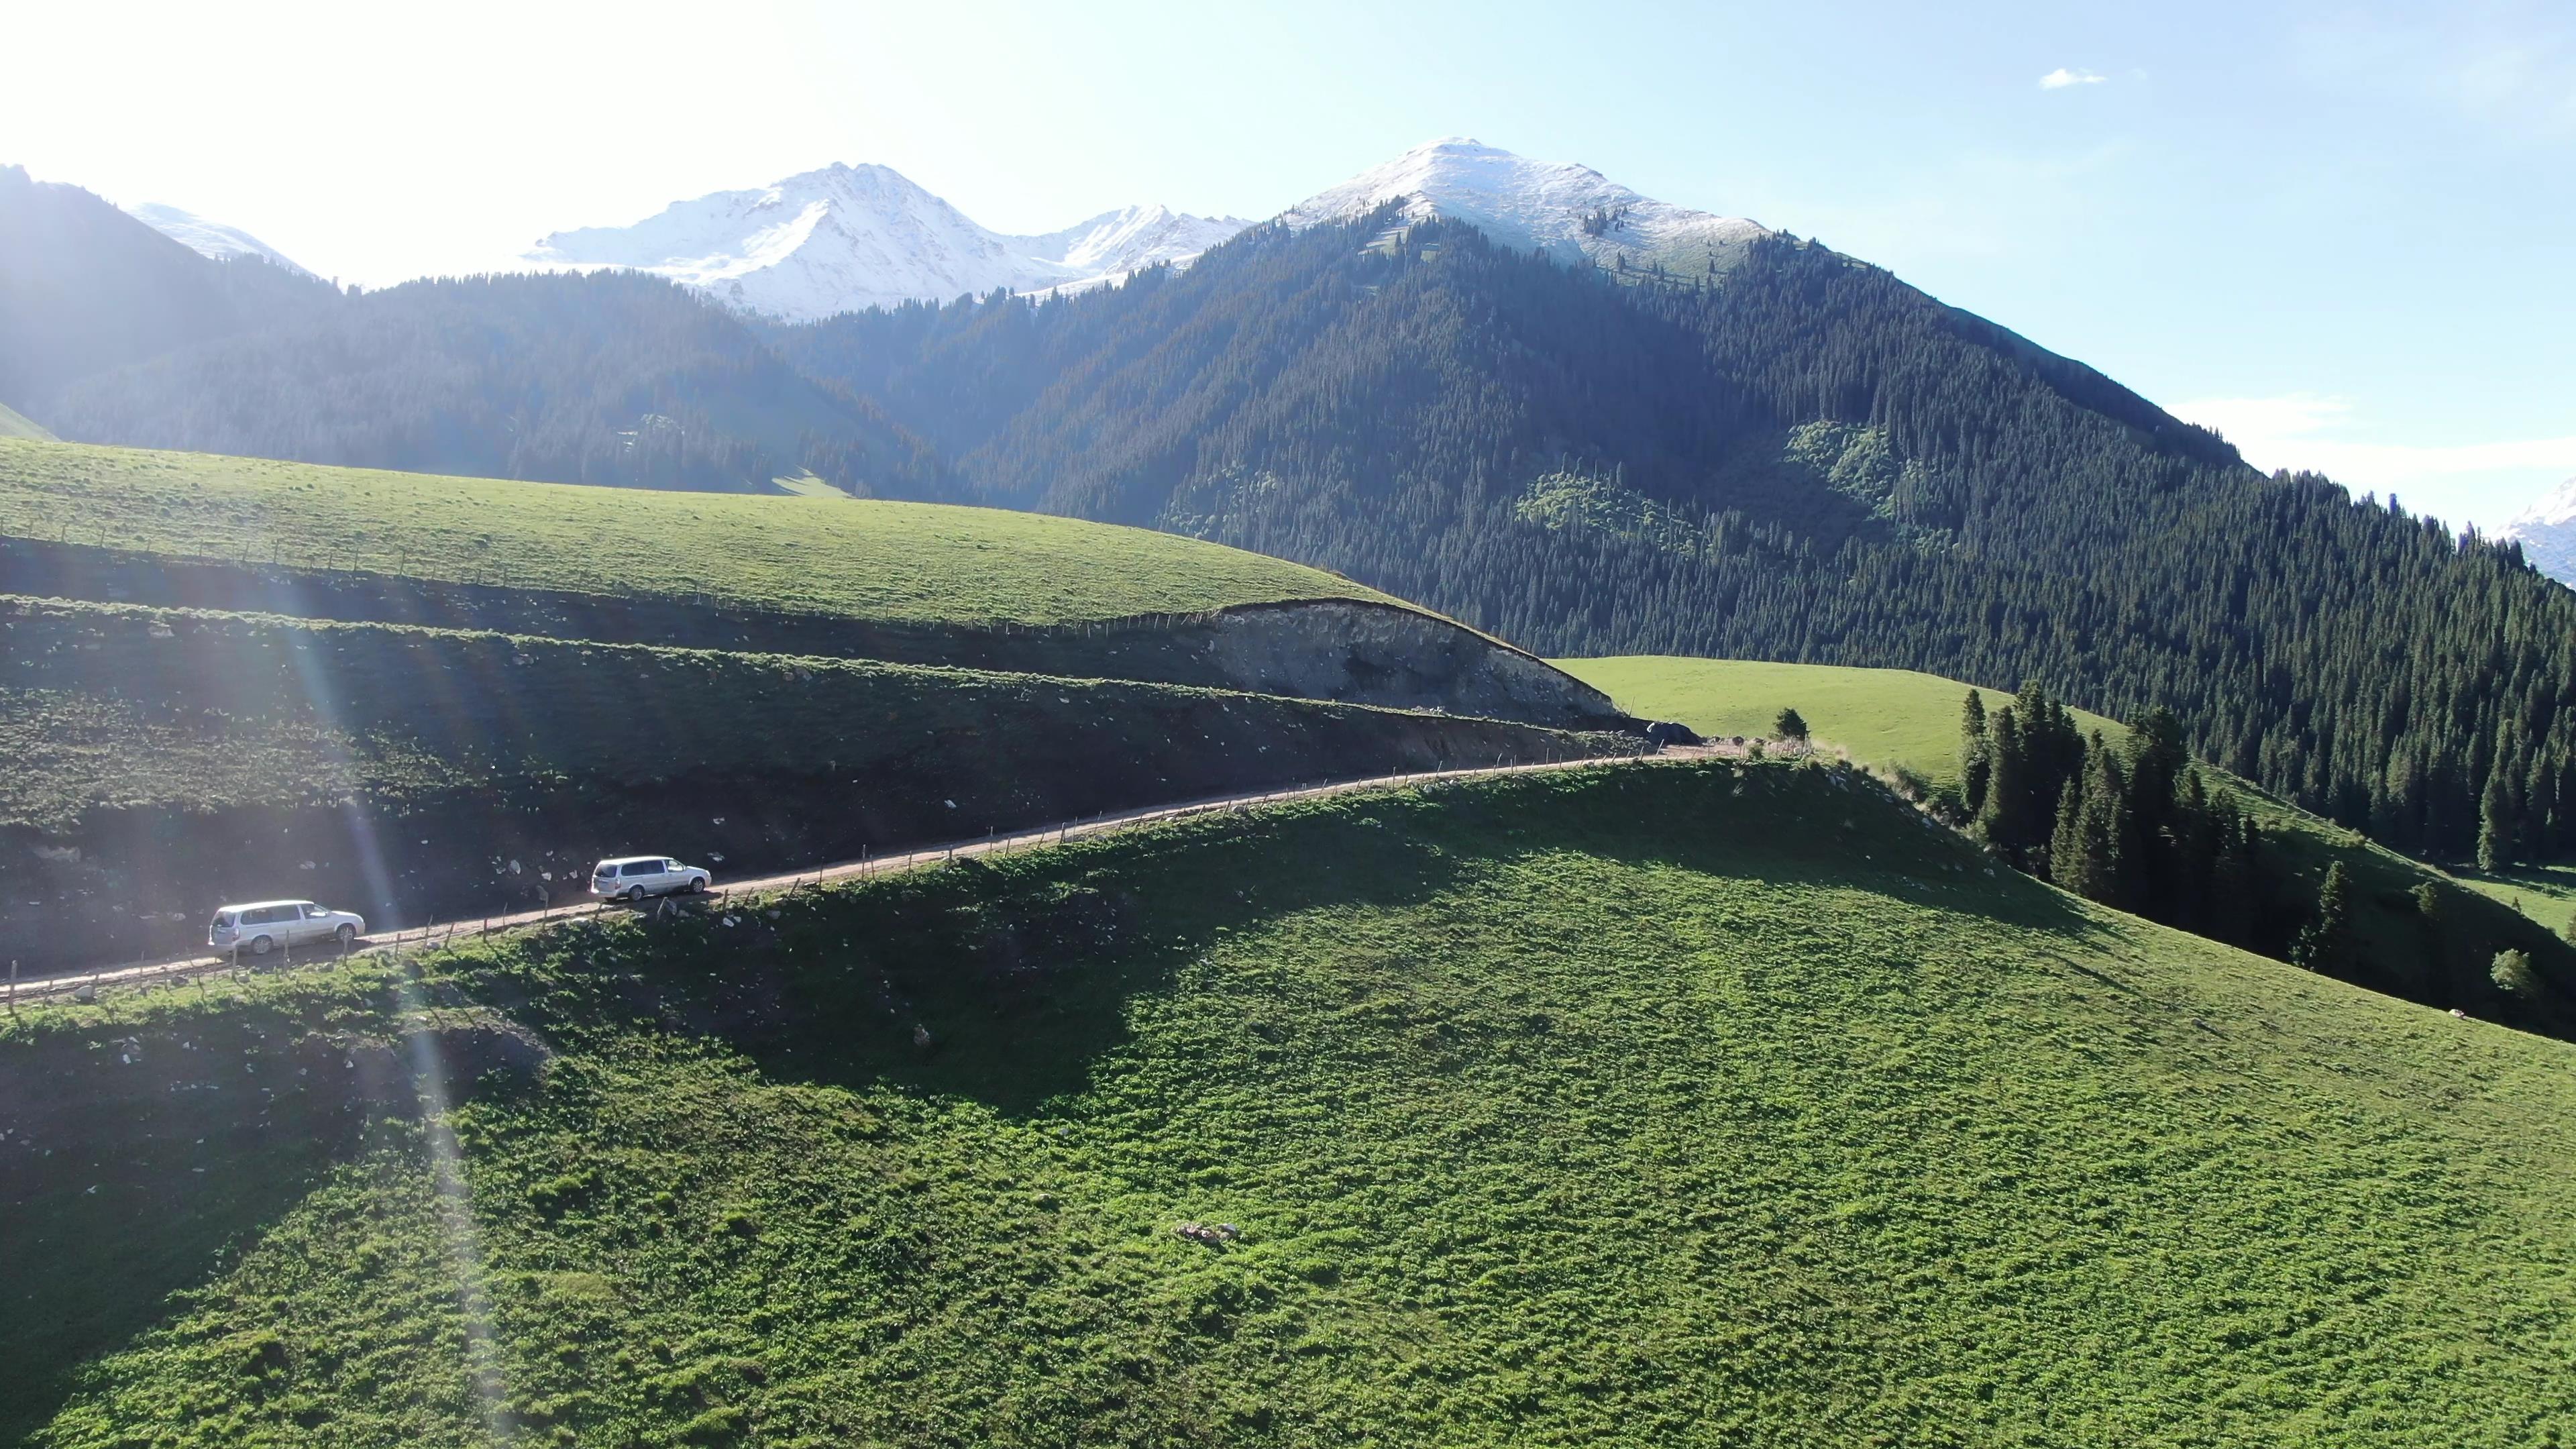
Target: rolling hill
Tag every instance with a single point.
(910, 583)
(164, 762)
(1691, 1104)
(1910, 721)
(17, 425)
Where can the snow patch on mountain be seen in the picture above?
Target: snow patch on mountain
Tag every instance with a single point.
(208, 238)
(2547, 532)
(850, 237)
(1567, 212)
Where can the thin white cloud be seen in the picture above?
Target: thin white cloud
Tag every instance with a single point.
(2485, 482)
(2060, 78)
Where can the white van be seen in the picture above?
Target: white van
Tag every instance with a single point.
(263, 926)
(633, 877)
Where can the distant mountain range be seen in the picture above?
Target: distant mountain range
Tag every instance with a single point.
(2547, 532)
(846, 238)
(209, 238)
(850, 237)
(1515, 391)
(1569, 213)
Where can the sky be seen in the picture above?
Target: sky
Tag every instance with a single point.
(2342, 233)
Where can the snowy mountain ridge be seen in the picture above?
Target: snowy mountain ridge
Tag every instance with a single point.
(2547, 532)
(1572, 213)
(850, 237)
(845, 238)
(208, 238)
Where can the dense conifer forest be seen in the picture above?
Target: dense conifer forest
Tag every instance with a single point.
(610, 378)
(1804, 460)
(1812, 461)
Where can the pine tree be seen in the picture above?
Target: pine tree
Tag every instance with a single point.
(2325, 943)
(2235, 879)
(2495, 825)
(2009, 789)
(1976, 754)
(1790, 726)
(2093, 851)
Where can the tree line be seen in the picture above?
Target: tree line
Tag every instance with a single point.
(1380, 407)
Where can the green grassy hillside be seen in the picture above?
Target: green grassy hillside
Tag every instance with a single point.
(1883, 716)
(164, 761)
(860, 559)
(17, 425)
(902, 582)
(1702, 1104)
(1897, 717)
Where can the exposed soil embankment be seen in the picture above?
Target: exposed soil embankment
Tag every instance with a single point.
(1349, 650)
(418, 774)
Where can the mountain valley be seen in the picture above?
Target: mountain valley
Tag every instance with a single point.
(1759, 1028)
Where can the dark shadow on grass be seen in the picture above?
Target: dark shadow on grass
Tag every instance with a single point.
(1006, 982)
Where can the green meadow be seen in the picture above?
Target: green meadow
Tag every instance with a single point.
(1882, 716)
(1909, 720)
(875, 560)
(1674, 1104)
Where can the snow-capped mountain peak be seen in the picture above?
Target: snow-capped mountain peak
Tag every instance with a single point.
(2547, 532)
(849, 237)
(208, 238)
(1568, 212)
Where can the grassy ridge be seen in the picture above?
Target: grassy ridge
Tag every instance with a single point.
(1684, 1105)
(1903, 718)
(1884, 716)
(14, 424)
(165, 760)
(861, 559)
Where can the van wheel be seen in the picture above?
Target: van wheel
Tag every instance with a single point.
(348, 935)
(635, 894)
(259, 945)
(697, 887)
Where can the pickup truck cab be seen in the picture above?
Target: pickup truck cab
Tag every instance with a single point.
(260, 927)
(633, 877)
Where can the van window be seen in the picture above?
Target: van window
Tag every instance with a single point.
(643, 867)
(223, 918)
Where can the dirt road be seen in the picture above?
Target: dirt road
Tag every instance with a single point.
(57, 983)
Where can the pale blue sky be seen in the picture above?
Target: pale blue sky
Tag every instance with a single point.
(2346, 232)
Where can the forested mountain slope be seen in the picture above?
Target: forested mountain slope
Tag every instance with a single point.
(85, 287)
(613, 378)
(1810, 461)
